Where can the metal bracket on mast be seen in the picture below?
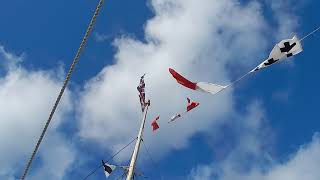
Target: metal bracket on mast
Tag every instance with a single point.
(137, 146)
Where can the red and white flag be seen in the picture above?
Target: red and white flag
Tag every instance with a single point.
(198, 86)
(154, 124)
(191, 105)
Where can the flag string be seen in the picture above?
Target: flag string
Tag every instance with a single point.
(242, 77)
(314, 31)
(237, 80)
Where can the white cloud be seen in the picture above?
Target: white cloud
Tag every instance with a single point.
(57, 156)
(301, 165)
(281, 95)
(9, 57)
(8, 61)
(26, 99)
(285, 17)
(199, 39)
(251, 136)
(99, 37)
(250, 158)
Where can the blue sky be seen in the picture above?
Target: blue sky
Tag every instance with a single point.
(257, 129)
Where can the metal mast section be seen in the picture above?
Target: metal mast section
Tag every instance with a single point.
(137, 146)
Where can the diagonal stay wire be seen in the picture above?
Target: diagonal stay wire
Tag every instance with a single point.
(148, 152)
(121, 176)
(95, 170)
(156, 165)
(74, 62)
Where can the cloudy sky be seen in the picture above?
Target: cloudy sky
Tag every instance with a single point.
(266, 127)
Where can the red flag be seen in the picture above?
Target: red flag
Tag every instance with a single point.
(154, 124)
(191, 105)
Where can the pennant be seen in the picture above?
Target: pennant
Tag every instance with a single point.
(198, 86)
(191, 105)
(108, 168)
(154, 124)
(142, 95)
(209, 87)
(173, 118)
(284, 49)
(182, 80)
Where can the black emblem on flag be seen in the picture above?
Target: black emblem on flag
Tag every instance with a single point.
(287, 47)
(270, 61)
(106, 167)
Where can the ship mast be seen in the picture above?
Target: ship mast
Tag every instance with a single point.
(137, 146)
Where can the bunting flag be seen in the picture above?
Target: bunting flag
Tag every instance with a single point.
(284, 49)
(108, 168)
(142, 95)
(173, 118)
(198, 86)
(154, 124)
(191, 105)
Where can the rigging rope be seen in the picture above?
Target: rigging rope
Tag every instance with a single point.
(92, 172)
(149, 154)
(310, 33)
(121, 176)
(74, 62)
(155, 165)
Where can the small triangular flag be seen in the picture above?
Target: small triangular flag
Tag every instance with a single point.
(154, 124)
(108, 168)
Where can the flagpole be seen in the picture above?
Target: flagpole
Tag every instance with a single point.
(137, 146)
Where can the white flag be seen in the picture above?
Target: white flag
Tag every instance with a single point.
(108, 168)
(284, 49)
(173, 118)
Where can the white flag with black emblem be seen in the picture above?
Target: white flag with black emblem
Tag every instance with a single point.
(108, 168)
(284, 49)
